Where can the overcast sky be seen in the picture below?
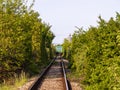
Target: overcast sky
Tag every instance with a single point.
(64, 15)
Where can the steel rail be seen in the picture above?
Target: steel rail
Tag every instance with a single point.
(64, 74)
(37, 83)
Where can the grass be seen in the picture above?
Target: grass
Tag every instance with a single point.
(73, 76)
(15, 82)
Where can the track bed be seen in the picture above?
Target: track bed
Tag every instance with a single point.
(54, 79)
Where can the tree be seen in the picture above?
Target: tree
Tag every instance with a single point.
(23, 38)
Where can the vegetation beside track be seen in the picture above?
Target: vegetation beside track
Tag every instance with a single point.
(15, 82)
(25, 41)
(95, 55)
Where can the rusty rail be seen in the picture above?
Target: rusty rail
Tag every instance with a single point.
(37, 83)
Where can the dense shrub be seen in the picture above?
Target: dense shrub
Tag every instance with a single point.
(24, 39)
(95, 55)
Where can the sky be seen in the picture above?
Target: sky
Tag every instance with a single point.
(65, 15)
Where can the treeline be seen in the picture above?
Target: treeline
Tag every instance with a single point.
(25, 41)
(95, 55)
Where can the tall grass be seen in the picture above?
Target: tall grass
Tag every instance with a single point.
(15, 82)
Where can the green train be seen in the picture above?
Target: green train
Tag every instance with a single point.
(59, 50)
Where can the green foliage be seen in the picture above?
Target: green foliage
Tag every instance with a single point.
(25, 42)
(15, 83)
(66, 48)
(95, 55)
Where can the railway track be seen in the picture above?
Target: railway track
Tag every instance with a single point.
(52, 78)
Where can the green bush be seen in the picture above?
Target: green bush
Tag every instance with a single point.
(24, 39)
(95, 55)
